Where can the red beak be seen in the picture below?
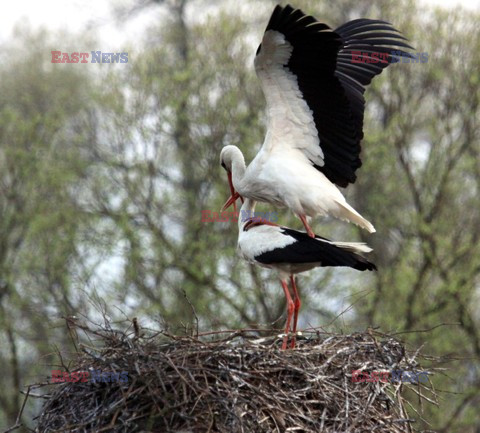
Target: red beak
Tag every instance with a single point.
(232, 200)
(234, 195)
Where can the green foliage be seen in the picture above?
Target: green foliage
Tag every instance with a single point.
(41, 167)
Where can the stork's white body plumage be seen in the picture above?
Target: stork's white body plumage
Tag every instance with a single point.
(315, 105)
(286, 178)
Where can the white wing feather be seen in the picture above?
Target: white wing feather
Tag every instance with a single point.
(290, 120)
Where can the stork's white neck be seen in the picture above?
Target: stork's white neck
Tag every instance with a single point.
(238, 170)
(246, 212)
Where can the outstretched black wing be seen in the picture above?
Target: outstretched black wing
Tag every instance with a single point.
(314, 89)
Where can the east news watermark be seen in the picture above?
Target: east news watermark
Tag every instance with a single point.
(393, 56)
(95, 376)
(89, 57)
(393, 376)
(209, 216)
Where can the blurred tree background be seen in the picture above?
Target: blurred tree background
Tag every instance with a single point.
(104, 173)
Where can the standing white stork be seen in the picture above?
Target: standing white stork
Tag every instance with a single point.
(313, 85)
(291, 252)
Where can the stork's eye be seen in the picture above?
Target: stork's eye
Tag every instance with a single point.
(224, 166)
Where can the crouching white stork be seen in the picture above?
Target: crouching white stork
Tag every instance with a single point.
(291, 252)
(313, 79)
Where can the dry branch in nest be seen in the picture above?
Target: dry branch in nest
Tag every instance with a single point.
(239, 383)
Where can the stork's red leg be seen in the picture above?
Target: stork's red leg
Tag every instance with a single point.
(290, 310)
(307, 227)
(297, 304)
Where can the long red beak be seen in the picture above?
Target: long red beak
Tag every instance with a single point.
(234, 195)
(232, 200)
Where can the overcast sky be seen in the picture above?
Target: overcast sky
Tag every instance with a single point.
(96, 14)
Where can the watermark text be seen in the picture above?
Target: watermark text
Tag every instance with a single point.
(394, 376)
(209, 216)
(391, 57)
(91, 57)
(59, 376)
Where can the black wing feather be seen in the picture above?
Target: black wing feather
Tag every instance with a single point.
(365, 36)
(309, 250)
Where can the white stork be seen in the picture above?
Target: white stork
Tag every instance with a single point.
(313, 85)
(291, 252)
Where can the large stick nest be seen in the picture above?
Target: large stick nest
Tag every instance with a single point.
(240, 383)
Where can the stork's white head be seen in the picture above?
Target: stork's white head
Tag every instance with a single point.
(230, 155)
(231, 159)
